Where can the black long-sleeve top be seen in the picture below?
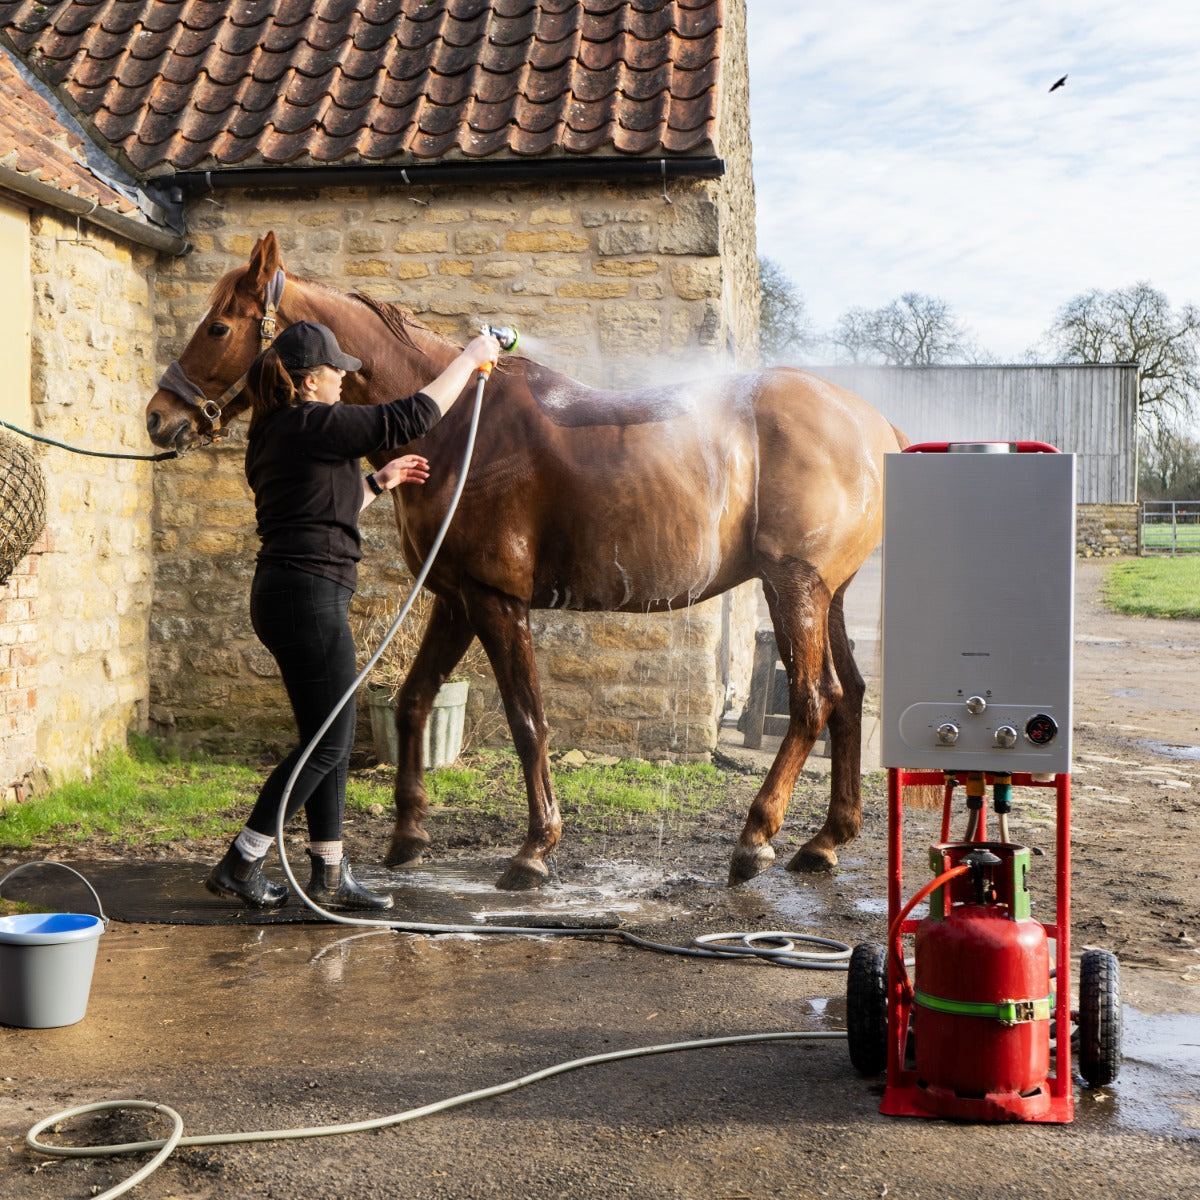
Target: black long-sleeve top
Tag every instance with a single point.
(302, 464)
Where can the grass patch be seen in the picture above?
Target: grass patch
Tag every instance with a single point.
(143, 797)
(138, 796)
(593, 792)
(1154, 587)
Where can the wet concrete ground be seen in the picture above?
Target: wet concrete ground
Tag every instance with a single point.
(283, 1025)
(292, 1023)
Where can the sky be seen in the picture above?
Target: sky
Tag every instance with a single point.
(915, 146)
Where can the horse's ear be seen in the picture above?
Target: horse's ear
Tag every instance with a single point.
(265, 260)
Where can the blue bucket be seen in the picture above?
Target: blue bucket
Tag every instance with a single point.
(46, 962)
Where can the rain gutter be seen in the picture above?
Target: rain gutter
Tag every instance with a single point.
(93, 212)
(540, 170)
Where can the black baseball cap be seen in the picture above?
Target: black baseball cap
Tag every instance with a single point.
(306, 344)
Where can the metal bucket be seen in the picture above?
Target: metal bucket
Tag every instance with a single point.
(46, 962)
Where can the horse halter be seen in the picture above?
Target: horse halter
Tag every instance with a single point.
(175, 380)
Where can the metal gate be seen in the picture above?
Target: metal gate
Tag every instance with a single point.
(1171, 526)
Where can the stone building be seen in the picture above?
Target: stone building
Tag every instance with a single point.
(581, 170)
(77, 355)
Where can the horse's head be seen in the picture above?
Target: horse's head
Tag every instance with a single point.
(202, 390)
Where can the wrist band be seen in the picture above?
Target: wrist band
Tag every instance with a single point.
(374, 484)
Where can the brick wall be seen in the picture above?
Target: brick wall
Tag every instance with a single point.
(19, 772)
(609, 284)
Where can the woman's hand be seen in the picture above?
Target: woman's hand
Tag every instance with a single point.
(409, 468)
(480, 352)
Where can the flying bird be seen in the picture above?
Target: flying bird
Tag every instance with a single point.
(1058, 83)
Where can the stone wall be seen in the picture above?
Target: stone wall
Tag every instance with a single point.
(609, 284)
(92, 369)
(1107, 530)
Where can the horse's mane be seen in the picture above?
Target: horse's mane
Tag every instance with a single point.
(397, 318)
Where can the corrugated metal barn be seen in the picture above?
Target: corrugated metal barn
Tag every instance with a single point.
(1087, 410)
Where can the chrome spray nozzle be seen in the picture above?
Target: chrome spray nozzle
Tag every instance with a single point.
(506, 335)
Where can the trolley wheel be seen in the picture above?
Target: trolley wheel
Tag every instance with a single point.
(867, 1008)
(1099, 1017)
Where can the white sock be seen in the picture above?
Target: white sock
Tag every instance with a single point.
(330, 853)
(252, 845)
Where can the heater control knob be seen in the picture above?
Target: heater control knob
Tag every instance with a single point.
(976, 705)
(1041, 729)
(947, 733)
(1006, 737)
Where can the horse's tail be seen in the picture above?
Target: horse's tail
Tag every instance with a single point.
(902, 439)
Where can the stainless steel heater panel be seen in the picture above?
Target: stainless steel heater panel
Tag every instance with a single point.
(978, 611)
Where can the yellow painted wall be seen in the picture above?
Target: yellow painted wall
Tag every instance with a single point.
(16, 314)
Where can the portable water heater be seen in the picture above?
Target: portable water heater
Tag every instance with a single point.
(978, 619)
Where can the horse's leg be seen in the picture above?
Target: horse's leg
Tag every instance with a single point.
(844, 819)
(799, 604)
(443, 644)
(502, 625)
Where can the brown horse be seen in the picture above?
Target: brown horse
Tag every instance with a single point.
(643, 501)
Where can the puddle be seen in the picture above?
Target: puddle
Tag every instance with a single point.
(615, 893)
(1158, 1087)
(1176, 750)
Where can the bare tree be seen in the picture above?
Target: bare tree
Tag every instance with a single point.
(1169, 468)
(912, 331)
(785, 332)
(1137, 325)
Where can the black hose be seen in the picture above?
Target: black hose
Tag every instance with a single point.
(34, 437)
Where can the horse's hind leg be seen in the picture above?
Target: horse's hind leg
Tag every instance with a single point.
(844, 819)
(799, 604)
(502, 624)
(443, 644)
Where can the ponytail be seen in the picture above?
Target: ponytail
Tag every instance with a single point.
(270, 385)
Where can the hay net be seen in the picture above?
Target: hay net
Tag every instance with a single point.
(22, 504)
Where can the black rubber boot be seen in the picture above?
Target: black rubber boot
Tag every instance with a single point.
(336, 889)
(240, 879)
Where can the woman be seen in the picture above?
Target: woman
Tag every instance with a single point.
(302, 463)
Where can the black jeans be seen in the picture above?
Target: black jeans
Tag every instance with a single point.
(302, 619)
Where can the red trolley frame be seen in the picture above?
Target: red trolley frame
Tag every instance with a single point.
(899, 1094)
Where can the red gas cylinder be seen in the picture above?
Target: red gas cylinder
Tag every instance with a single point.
(982, 1004)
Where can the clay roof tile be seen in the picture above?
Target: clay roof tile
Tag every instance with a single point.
(179, 84)
(34, 143)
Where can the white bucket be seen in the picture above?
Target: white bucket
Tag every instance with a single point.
(46, 962)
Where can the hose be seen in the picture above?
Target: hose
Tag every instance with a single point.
(775, 946)
(901, 916)
(175, 1139)
(37, 437)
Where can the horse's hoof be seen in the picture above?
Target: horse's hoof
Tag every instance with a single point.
(405, 851)
(748, 861)
(812, 860)
(524, 875)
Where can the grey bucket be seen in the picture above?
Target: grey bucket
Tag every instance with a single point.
(46, 962)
